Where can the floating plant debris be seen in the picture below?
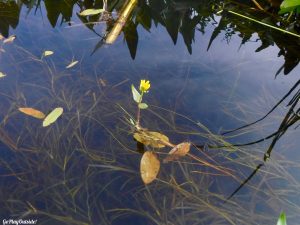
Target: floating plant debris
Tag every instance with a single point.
(33, 112)
(149, 167)
(53, 116)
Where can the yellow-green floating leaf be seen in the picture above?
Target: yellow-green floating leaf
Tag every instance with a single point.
(91, 12)
(47, 53)
(73, 63)
(53, 116)
(143, 105)
(2, 75)
(149, 167)
(154, 139)
(33, 112)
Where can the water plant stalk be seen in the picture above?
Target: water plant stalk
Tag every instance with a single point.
(264, 24)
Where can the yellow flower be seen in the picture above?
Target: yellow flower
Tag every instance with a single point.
(144, 85)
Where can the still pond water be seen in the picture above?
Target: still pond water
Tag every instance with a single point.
(210, 73)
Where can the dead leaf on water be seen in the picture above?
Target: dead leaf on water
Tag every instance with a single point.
(10, 39)
(154, 139)
(47, 53)
(149, 167)
(53, 116)
(73, 63)
(178, 151)
(33, 112)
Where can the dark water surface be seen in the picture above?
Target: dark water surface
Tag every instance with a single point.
(209, 74)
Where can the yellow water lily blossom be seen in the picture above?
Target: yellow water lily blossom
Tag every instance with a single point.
(144, 85)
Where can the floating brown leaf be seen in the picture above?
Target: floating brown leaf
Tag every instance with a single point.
(33, 112)
(154, 139)
(178, 151)
(149, 167)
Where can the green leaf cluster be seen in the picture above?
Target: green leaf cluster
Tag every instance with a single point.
(288, 6)
(137, 97)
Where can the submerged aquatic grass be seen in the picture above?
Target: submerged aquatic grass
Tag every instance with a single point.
(84, 169)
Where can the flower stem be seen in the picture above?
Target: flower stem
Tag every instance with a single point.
(138, 117)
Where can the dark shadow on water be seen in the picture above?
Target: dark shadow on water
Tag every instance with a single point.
(291, 118)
